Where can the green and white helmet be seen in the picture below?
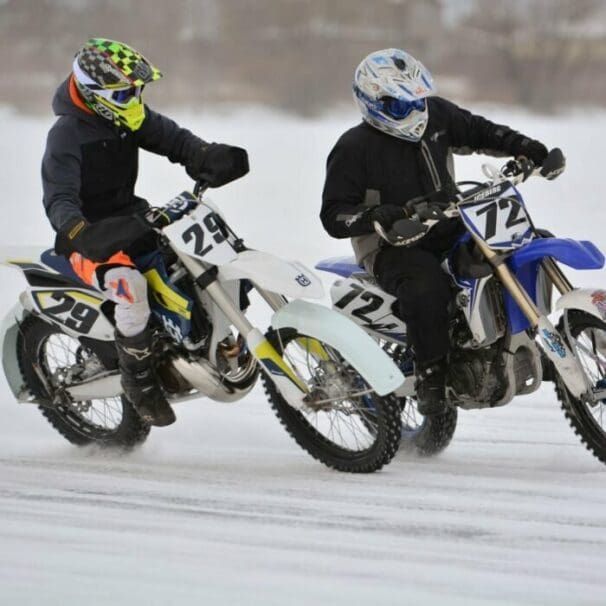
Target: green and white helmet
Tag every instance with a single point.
(110, 76)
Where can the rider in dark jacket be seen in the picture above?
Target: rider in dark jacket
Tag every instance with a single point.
(89, 172)
(401, 154)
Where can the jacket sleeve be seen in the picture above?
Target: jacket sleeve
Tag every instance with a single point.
(61, 177)
(161, 135)
(343, 214)
(473, 133)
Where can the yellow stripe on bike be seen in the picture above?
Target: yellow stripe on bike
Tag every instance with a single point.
(166, 296)
(275, 364)
(314, 347)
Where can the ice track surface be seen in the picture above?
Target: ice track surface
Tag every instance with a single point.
(224, 508)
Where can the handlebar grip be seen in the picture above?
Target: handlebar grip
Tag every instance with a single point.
(554, 164)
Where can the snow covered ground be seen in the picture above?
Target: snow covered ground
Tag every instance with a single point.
(223, 508)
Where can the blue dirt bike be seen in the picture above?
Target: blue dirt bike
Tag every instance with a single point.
(503, 272)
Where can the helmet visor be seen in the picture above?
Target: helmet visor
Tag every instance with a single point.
(401, 108)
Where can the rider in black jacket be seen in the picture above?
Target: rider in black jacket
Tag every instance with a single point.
(89, 172)
(401, 154)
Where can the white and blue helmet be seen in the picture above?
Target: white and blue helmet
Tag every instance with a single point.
(390, 87)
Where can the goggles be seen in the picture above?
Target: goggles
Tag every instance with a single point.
(401, 108)
(120, 97)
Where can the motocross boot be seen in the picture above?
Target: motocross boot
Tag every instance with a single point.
(430, 386)
(139, 381)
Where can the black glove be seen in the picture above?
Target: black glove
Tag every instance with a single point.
(173, 211)
(530, 148)
(99, 241)
(522, 166)
(217, 164)
(386, 215)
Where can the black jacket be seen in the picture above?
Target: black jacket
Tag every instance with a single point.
(90, 166)
(368, 167)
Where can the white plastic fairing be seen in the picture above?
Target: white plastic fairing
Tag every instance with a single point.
(591, 300)
(289, 278)
(199, 235)
(334, 329)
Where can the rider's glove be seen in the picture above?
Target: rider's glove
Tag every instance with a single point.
(217, 164)
(100, 240)
(173, 211)
(429, 210)
(386, 215)
(530, 148)
(520, 166)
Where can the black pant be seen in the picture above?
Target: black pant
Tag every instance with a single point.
(413, 275)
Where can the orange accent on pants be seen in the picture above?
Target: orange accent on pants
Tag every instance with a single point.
(85, 268)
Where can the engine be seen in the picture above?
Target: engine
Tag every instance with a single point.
(477, 378)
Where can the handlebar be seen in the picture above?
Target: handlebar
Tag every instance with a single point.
(407, 231)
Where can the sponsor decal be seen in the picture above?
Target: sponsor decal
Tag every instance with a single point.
(303, 280)
(352, 219)
(598, 298)
(554, 342)
(487, 192)
(138, 354)
(172, 328)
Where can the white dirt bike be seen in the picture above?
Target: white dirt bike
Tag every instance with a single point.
(503, 271)
(326, 379)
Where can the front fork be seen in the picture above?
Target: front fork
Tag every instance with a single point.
(289, 384)
(550, 340)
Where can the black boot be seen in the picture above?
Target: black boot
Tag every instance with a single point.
(430, 386)
(139, 381)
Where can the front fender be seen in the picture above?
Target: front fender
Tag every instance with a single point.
(591, 300)
(356, 346)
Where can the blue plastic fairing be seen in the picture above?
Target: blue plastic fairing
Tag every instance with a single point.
(342, 266)
(525, 261)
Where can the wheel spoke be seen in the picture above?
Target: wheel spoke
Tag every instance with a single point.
(61, 354)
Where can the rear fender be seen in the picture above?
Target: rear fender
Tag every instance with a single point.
(10, 363)
(334, 329)
(76, 310)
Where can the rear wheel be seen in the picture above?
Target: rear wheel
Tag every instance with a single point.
(587, 417)
(344, 424)
(48, 359)
(426, 436)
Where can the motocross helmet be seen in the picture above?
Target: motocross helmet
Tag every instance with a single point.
(110, 76)
(390, 87)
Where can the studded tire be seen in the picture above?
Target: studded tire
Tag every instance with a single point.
(377, 418)
(125, 429)
(587, 421)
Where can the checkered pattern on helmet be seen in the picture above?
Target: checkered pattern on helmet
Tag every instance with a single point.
(130, 62)
(99, 69)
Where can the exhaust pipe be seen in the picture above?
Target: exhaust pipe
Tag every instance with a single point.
(205, 378)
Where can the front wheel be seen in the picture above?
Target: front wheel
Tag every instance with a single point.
(587, 339)
(343, 424)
